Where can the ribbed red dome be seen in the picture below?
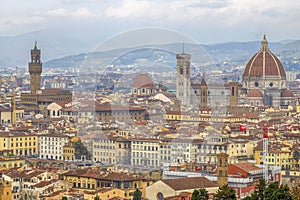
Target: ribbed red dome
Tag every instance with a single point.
(142, 80)
(264, 63)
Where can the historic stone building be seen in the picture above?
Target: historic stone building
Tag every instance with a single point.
(183, 81)
(143, 85)
(264, 84)
(39, 98)
(264, 80)
(187, 92)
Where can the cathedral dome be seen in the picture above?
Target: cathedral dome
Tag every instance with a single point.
(264, 63)
(143, 80)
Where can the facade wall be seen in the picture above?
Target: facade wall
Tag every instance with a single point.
(145, 153)
(104, 150)
(51, 146)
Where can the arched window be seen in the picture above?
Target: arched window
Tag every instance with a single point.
(159, 196)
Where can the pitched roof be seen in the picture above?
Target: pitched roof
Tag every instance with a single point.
(189, 183)
(44, 183)
(247, 166)
(254, 93)
(287, 93)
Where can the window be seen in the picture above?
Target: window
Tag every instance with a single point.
(181, 70)
(159, 196)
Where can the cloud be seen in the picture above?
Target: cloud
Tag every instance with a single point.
(60, 12)
(230, 12)
(84, 13)
(131, 9)
(193, 16)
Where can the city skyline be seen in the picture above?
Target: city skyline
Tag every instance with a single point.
(147, 100)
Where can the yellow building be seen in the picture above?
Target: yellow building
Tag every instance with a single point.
(91, 179)
(5, 190)
(278, 155)
(7, 115)
(106, 193)
(11, 162)
(69, 151)
(21, 144)
(298, 108)
(240, 149)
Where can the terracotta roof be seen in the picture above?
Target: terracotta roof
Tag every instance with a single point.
(142, 80)
(247, 166)
(44, 183)
(97, 173)
(53, 194)
(254, 93)
(264, 63)
(189, 183)
(24, 174)
(287, 93)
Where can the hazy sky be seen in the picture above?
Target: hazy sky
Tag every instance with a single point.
(204, 20)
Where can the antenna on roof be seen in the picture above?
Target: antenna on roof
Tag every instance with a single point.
(183, 48)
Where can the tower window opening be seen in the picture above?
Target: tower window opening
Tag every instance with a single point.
(181, 70)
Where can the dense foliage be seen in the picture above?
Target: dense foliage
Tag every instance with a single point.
(200, 194)
(271, 191)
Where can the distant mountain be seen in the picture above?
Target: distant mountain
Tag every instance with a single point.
(15, 50)
(236, 53)
(68, 48)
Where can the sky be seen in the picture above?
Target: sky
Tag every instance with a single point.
(206, 21)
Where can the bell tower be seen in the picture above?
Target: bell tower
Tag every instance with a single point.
(203, 92)
(234, 96)
(35, 69)
(222, 169)
(183, 81)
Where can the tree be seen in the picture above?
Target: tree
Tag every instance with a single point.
(97, 197)
(195, 195)
(200, 194)
(270, 192)
(273, 192)
(295, 190)
(296, 157)
(258, 194)
(81, 150)
(225, 193)
(64, 198)
(137, 195)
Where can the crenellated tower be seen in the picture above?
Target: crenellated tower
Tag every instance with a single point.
(35, 69)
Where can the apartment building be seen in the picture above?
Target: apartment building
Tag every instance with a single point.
(51, 145)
